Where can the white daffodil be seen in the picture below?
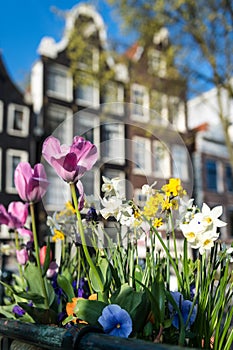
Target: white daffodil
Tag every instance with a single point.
(148, 190)
(112, 187)
(207, 241)
(209, 217)
(111, 207)
(125, 216)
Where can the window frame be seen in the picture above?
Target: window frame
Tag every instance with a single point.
(147, 156)
(10, 153)
(94, 125)
(229, 178)
(165, 162)
(12, 107)
(1, 115)
(95, 102)
(0, 168)
(144, 116)
(175, 169)
(58, 68)
(121, 136)
(67, 120)
(95, 61)
(215, 189)
(114, 107)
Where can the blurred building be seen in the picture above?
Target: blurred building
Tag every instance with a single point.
(127, 105)
(212, 168)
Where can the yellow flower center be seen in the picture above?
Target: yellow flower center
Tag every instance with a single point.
(190, 235)
(118, 325)
(208, 220)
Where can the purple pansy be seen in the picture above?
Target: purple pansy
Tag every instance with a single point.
(116, 321)
(17, 310)
(185, 307)
(70, 162)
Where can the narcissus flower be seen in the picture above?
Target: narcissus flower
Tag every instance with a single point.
(70, 162)
(31, 184)
(116, 321)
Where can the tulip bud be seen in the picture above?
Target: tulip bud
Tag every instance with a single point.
(43, 255)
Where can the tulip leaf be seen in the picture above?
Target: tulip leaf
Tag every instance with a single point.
(104, 271)
(89, 310)
(40, 315)
(66, 286)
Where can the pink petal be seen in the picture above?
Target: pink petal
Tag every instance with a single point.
(19, 210)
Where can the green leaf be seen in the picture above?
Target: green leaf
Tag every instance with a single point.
(104, 271)
(39, 315)
(158, 292)
(66, 286)
(89, 310)
(138, 274)
(135, 303)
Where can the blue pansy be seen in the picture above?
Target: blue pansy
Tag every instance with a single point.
(185, 307)
(116, 321)
(17, 310)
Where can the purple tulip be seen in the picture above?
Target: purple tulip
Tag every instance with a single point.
(16, 215)
(70, 162)
(22, 256)
(30, 183)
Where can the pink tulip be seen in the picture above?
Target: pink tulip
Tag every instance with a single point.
(30, 183)
(22, 256)
(16, 215)
(70, 162)
(15, 218)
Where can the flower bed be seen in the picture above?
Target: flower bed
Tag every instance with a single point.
(99, 280)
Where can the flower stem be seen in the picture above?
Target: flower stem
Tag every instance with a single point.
(17, 246)
(83, 240)
(42, 282)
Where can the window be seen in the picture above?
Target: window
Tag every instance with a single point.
(156, 64)
(87, 126)
(1, 116)
(113, 143)
(161, 165)
(173, 109)
(211, 174)
(59, 83)
(229, 178)
(114, 98)
(90, 59)
(87, 92)
(60, 123)
(140, 103)
(18, 120)
(13, 158)
(55, 199)
(0, 169)
(180, 162)
(158, 106)
(142, 155)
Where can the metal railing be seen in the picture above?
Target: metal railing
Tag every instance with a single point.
(16, 335)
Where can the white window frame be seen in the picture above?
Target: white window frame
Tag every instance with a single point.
(181, 172)
(94, 125)
(1, 115)
(12, 107)
(144, 114)
(23, 155)
(116, 144)
(147, 156)
(66, 124)
(160, 117)
(164, 170)
(115, 106)
(56, 69)
(156, 62)
(95, 61)
(96, 94)
(0, 169)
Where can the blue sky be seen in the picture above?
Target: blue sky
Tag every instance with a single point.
(23, 23)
